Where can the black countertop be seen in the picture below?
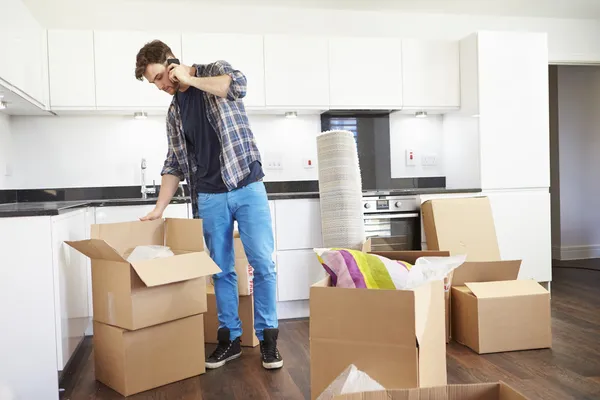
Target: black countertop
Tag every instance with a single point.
(50, 208)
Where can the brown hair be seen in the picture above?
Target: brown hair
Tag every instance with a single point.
(155, 52)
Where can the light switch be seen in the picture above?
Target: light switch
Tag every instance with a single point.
(411, 158)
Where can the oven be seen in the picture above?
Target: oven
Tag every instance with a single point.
(392, 222)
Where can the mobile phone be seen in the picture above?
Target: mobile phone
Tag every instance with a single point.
(172, 61)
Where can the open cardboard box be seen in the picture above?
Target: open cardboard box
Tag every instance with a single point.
(466, 226)
(145, 293)
(480, 391)
(395, 336)
(493, 312)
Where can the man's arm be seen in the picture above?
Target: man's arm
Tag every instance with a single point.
(171, 176)
(224, 81)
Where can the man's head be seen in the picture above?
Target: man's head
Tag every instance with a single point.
(151, 63)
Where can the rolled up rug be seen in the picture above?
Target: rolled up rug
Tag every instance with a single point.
(340, 190)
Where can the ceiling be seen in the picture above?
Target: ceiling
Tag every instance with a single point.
(578, 9)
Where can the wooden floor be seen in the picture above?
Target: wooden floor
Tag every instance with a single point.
(571, 370)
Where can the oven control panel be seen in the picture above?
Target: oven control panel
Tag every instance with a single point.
(390, 204)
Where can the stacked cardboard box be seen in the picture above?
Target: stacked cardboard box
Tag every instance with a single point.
(246, 305)
(490, 310)
(148, 315)
(395, 336)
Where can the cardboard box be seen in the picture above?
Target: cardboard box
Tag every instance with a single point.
(243, 269)
(135, 361)
(462, 226)
(493, 312)
(394, 336)
(481, 391)
(145, 293)
(246, 312)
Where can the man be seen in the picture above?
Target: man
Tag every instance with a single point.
(212, 147)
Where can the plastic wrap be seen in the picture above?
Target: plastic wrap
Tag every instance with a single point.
(141, 253)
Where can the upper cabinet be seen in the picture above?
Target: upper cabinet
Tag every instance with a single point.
(430, 74)
(71, 69)
(365, 73)
(296, 72)
(116, 86)
(513, 109)
(23, 64)
(243, 52)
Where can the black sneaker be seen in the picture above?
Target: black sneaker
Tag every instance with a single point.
(226, 350)
(271, 359)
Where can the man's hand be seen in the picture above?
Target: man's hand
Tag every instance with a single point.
(180, 74)
(152, 215)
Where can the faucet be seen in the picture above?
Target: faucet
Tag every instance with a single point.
(145, 190)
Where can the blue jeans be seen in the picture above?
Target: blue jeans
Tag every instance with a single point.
(250, 208)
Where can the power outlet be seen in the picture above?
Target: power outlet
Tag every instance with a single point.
(429, 160)
(274, 162)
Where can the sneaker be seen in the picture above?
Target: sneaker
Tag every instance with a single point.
(271, 359)
(226, 350)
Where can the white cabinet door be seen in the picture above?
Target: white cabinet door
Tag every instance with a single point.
(22, 45)
(297, 270)
(71, 69)
(430, 74)
(514, 110)
(28, 337)
(522, 220)
(70, 284)
(298, 224)
(243, 52)
(116, 86)
(297, 71)
(176, 211)
(365, 73)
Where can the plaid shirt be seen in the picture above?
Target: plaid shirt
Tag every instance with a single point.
(228, 118)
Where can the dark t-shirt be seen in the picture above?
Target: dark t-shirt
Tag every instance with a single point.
(204, 146)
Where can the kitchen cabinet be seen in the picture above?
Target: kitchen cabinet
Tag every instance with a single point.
(296, 72)
(23, 47)
(298, 224)
(71, 69)
(114, 214)
(71, 271)
(297, 270)
(430, 75)
(28, 337)
(116, 86)
(365, 73)
(513, 110)
(522, 220)
(243, 52)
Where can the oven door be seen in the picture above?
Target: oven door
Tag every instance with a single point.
(394, 231)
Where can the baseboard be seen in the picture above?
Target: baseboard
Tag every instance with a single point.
(576, 252)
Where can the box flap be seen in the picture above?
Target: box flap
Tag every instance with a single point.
(488, 290)
(125, 236)
(461, 226)
(477, 391)
(184, 234)
(486, 272)
(183, 267)
(96, 249)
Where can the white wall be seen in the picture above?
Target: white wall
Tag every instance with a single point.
(579, 160)
(5, 151)
(569, 39)
(422, 135)
(107, 150)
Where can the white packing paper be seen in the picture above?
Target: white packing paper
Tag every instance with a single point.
(141, 253)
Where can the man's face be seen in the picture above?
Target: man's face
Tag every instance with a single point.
(158, 75)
